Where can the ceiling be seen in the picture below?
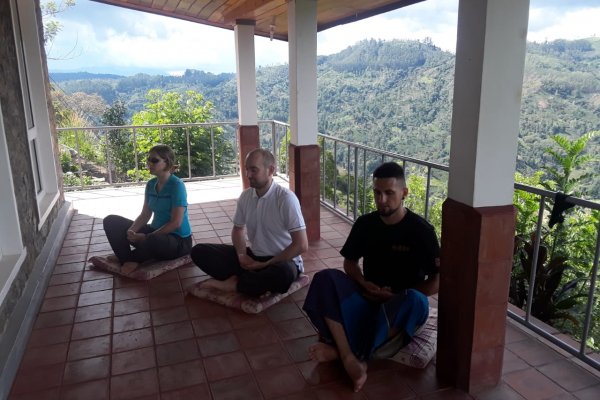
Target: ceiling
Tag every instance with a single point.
(270, 16)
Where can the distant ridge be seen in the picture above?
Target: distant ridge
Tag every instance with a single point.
(70, 76)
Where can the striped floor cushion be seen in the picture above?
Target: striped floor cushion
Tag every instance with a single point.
(145, 271)
(421, 348)
(250, 305)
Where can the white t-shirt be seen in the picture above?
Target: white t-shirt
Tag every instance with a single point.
(269, 220)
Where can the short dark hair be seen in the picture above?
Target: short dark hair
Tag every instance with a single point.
(389, 170)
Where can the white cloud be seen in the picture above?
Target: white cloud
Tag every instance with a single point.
(558, 24)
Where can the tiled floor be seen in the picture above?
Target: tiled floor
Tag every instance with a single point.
(99, 336)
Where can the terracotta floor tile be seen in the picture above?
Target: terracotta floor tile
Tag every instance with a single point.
(568, 375)
(88, 299)
(239, 387)
(533, 352)
(169, 315)
(280, 381)
(76, 242)
(218, 344)
(258, 336)
(283, 312)
(338, 391)
(241, 320)
(177, 352)
(173, 332)
(69, 268)
(63, 279)
(100, 247)
(135, 384)
(167, 301)
(97, 285)
(37, 379)
(178, 376)
(298, 348)
(54, 318)
(46, 336)
(82, 248)
(71, 258)
(92, 275)
(78, 235)
(45, 355)
(514, 334)
(161, 288)
(500, 392)
(48, 394)
(422, 381)
(198, 308)
(316, 373)
(89, 329)
(190, 272)
(86, 370)
(131, 322)
(211, 326)
(59, 303)
(532, 384)
(130, 340)
(307, 394)
(86, 348)
(90, 313)
(225, 366)
(512, 363)
(131, 306)
(93, 390)
(68, 289)
(198, 392)
(385, 385)
(294, 329)
(166, 277)
(133, 360)
(447, 394)
(267, 357)
(591, 393)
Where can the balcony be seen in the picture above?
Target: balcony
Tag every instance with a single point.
(102, 336)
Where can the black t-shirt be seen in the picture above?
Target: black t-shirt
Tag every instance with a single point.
(399, 256)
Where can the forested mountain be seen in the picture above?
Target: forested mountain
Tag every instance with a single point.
(397, 96)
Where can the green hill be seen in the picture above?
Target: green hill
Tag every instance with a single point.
(397, 96)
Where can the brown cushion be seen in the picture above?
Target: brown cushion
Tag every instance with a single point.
(250, 305)
(145, 271)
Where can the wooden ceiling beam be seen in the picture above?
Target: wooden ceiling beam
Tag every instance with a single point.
(246, 10)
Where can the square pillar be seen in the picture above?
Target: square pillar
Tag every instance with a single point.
(304, 173)
(476, 263)
(247, 138)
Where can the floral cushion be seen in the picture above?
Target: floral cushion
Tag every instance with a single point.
(423, 345)
(250, 305)
(145, 271)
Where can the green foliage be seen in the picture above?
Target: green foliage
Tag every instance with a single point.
(119, 141)
(175, 108)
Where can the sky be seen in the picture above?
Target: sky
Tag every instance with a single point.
(100, 38)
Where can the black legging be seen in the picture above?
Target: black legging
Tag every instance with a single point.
(159, 247)
(221, 262)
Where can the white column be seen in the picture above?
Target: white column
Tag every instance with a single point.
(246, 72)
(490, 57)
(302, 42)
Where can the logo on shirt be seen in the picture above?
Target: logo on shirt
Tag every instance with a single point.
(400, 248)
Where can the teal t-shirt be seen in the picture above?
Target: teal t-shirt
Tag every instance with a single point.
(172, 195)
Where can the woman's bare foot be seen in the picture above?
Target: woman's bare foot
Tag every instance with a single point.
(113, 259)
(323, 352)
(129, 267)
(357, 370)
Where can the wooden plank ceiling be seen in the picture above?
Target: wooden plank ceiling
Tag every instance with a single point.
(270, 16)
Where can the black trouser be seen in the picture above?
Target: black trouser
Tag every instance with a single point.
(159, 247)
(221, 262)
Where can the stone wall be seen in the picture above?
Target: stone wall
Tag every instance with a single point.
(18, 149)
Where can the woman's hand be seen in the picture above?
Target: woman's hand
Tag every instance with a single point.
(250, 264)
(135, 237)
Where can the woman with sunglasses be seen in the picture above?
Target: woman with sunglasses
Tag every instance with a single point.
(169, 235)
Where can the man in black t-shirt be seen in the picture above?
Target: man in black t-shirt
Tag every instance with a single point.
(358, 311)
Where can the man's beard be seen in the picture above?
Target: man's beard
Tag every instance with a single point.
(387, 212)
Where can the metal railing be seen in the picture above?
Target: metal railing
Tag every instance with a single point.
(346, 188)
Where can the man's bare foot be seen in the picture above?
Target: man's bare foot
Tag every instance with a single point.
(129, 267)
(323, 352)
(113, 259)
(357, 370)
(228, 285)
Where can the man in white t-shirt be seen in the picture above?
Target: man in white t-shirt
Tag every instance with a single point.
(271, 217)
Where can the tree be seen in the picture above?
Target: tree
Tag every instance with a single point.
(187, 108)
(50, 9)
(119, 141)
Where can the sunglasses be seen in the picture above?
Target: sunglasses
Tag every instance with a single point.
(153, 160)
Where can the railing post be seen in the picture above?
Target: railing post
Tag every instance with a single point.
(356, 195)
(78, 150)
(189, 152)
(590, 300)
(324, 173)
(213, 150)
(364, 206)
(536, 251)
(427, 191)
(348, 179)
(135, 154)
(108, 158)
(335, 174)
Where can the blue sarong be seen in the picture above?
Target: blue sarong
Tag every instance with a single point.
(334, 295)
